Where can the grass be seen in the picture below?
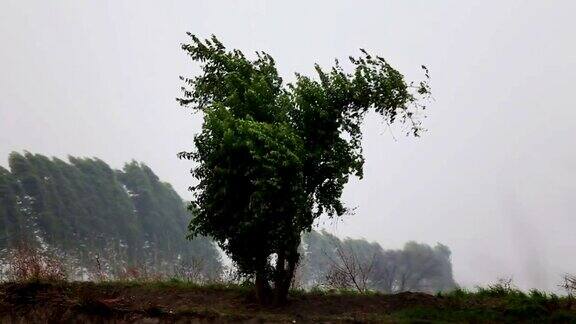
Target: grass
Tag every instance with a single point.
(184, 300)
(496, 304)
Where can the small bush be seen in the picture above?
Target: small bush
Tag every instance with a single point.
(569, 284)
(27, 263)
(139, 274)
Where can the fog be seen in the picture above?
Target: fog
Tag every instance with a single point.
(493, 178)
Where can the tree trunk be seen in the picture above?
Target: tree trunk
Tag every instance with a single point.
(263, 290)
(284, 276)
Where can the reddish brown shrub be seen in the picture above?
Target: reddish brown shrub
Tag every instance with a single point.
(27, 263)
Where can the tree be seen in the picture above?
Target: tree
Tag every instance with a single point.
(350, 270)
(418, 267)
(12, 219)
(272, 157)
(85, 209)
(362, 265)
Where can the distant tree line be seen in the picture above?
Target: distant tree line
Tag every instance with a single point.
(361, 265)
(85, 209)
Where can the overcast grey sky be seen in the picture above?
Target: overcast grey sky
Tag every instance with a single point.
(494, 178)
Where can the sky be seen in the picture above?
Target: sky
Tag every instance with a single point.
(494, 177)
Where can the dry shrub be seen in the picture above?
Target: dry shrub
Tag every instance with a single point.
(27, 263)
(98, 274)
(505, 283)
(230, 275)
(131, 274)
(336, 278)
(135, 273)
(193, 271)
(569, 284)
(298, 278)
(348, 270)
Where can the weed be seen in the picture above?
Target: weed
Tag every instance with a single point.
(27, 263)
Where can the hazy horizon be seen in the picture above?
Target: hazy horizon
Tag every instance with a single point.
(492, 178)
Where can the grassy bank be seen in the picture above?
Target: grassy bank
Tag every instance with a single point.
(176, 301)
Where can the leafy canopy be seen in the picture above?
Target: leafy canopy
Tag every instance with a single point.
(272, 157)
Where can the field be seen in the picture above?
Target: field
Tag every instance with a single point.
(182, 302)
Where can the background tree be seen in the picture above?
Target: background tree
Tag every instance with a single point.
(362, 265)
(12, 216)
(95, 214)
(272, 157)
(351, 269)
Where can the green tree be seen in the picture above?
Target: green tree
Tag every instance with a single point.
(83, 208)
(163, 218)
(272, 157)
(12, 220)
